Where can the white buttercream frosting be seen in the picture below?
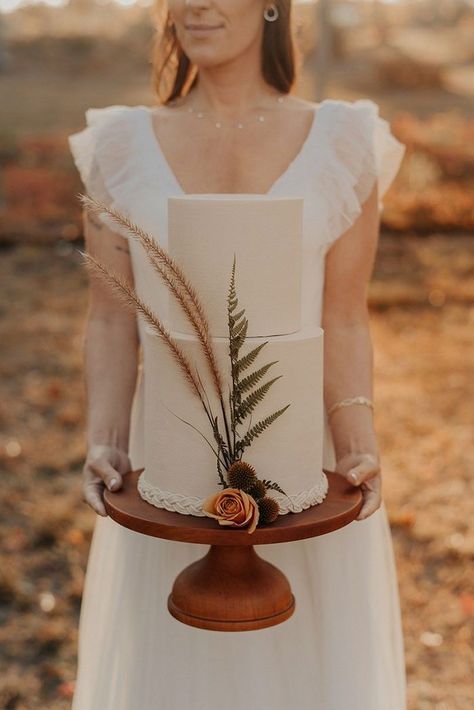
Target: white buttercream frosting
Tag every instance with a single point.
(265, 234)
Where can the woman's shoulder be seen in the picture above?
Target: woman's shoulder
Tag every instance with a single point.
(359, 117)
(356, 128)
(362, 108)
(111, 143)
(108, 130)
(361, 150)
(97, 116)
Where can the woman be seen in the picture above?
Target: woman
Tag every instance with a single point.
(230, 124)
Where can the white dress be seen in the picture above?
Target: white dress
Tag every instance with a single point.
(343, 648)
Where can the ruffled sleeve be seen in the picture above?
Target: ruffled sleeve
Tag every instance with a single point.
(363, 151)
(95, 150)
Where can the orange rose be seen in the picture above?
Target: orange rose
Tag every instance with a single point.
(234, 507)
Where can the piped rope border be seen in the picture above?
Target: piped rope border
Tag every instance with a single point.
(192, 505)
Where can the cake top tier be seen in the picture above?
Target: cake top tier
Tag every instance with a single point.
(206, 231)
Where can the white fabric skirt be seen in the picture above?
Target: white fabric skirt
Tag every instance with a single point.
(342, 649)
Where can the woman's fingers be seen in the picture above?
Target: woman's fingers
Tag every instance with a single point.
(372, 497)
(105, 466)
(366, 468)
(109, 475)
(92, 494)
(369, 478)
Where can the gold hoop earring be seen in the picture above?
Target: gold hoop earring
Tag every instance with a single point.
(271, 13)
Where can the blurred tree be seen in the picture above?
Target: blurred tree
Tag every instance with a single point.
(82, 6)
(5, 59)
(380, 22)
(323, 54)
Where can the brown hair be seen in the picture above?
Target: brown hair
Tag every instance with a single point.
(174, 74)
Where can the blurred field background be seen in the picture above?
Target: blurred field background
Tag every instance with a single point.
(416, 60)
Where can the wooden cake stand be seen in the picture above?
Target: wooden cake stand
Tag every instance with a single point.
(232, 588)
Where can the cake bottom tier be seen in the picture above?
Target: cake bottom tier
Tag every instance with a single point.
(180, 465)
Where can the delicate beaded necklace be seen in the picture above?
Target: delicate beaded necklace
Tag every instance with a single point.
(240, 124)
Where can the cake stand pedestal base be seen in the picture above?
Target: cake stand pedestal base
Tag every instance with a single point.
(232, 588)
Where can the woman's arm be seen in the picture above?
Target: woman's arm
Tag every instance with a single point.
(111, 362)
(348, 358)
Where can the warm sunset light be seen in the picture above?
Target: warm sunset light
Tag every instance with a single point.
(11, 5)
(236, 326)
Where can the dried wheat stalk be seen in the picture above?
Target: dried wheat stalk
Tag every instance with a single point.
(175, 280)
(130, 297)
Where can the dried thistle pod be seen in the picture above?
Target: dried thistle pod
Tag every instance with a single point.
(258, 490)
(241, 474)
(269, 509)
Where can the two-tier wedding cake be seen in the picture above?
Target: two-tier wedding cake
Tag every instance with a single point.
(264, 234)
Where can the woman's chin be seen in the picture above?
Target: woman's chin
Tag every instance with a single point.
(204, 59)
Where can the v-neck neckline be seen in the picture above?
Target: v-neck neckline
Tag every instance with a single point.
(315, 123)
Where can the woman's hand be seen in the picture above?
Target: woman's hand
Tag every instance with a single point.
(363, 470)
(104, 466)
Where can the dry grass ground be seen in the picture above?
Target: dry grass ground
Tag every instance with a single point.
(424, 393)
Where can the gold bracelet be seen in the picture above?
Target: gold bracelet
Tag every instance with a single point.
(350, 400)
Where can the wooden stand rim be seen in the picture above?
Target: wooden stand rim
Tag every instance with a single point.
(341, 505)
(232, 588)
(212, 624)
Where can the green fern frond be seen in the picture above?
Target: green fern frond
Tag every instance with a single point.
(236, 322)
(238, 341)
(242, 326)
(270, 485)
(251, 380)
(234, 349)
(232, 295)
(258, 429)
(221, 444)
(249, 358)
(222, 480)
(243, 408)
(234, 319)
(236, 344)
(250, 402)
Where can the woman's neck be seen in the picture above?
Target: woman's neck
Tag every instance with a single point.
(227, 91)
